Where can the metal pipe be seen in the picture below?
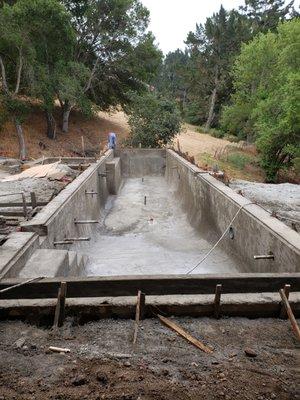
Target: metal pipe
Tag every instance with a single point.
(79, 239)
(86, 222)
(91, 192)
(264, 257)
(62, 242)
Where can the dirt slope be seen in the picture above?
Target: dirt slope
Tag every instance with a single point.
(94, 131)
(196, 143)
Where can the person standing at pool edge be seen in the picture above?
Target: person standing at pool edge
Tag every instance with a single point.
(112, 140)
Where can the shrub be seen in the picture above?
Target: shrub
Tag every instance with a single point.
(154, 120)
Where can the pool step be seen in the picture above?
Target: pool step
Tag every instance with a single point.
(46, 262)
(54, 263)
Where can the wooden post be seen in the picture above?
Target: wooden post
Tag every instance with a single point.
(82, 144)
(33, 200)
(290, 314)
(282, 313)
(139, 313)
(217, 301)
(60, 306)
(24, 205)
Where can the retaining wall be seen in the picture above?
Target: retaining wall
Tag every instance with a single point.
(136, 163)
(211, 205)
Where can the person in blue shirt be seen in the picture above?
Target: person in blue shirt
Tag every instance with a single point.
(112, 140)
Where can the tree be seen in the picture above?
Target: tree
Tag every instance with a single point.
(264, 15)
(172, 78)
(213, 47)
(113, 45)
(267, 96)
(53, 39)
(16, 52)
(154, 120)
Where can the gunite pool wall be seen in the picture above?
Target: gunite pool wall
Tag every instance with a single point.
(208, 204)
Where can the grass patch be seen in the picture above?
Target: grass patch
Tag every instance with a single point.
(211, 131)
(239, 160)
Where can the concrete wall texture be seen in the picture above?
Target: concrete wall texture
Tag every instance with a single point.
(209, 205)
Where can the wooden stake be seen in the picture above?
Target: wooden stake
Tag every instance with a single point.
(33, 200)
(139, 313)
(217, 301)
(184, 334)
(60, 306)
(282, 313)
(24, 205)
(82, 144)
(290, 314)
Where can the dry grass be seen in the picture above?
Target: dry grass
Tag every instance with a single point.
(94, 130)
(237, 160)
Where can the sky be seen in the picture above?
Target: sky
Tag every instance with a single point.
(171, 20)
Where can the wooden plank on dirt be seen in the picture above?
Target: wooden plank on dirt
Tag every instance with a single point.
(139, 314)
(290, 314)
(114, 286)
(217, 301)
(170, 324)
(60, 306)
(283, 314)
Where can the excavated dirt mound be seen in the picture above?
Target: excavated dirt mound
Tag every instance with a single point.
(103, 364)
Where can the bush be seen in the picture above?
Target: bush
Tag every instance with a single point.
(239, 160)
(267, 96)
(211, 131)
(154, 120)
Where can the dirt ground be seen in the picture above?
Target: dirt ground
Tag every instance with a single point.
(102, 363)
(196, 143)
(94, 130)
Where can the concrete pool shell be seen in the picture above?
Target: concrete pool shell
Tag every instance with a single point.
(157, 214)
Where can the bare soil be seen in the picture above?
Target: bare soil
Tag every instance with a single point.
(103, 364)
(94, 130)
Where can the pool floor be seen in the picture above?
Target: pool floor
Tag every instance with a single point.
(135, 238)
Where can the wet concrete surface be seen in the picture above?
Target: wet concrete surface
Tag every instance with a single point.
(154, 238)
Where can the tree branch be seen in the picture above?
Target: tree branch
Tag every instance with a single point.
(4, 81)
(19, 72)
(88, 85)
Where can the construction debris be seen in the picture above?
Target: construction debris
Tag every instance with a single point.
(59, 349)
(290, 314)
(184, 334)
(54, 171)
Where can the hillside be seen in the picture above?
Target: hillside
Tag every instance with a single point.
(94, 130)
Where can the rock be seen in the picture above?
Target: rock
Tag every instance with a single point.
(102, 377)
(215, 362)
(79, 380)
(250, 352)
(127, 364)
(20, 343)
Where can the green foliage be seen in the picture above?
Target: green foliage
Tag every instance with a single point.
(239, 160)
(211, 131)
(267, 96)
(112, 42)
(154, 120)
(264, 15)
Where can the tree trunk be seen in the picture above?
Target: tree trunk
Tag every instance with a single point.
(51, 125)
(213, 98)
(22, 145)
(65, 118)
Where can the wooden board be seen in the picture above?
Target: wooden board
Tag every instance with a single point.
(184, 334)
(114, 286)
